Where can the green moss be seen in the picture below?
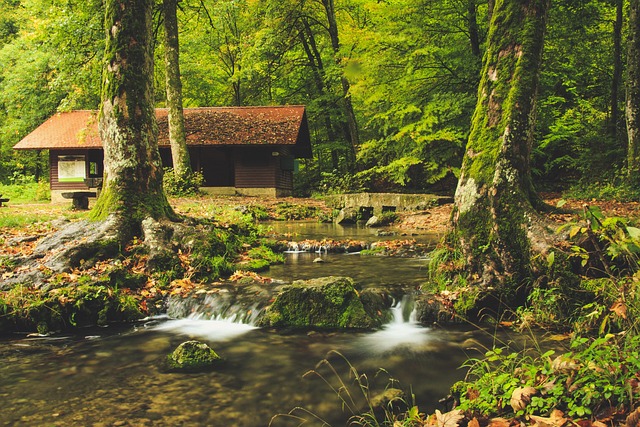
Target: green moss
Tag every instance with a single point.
(191, 356)
(27, 309)
(466, 301)
(329, 303)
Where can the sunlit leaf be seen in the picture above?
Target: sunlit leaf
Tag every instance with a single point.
(449, 419)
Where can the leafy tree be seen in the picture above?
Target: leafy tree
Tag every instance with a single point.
(574, 140)
(49, 60)
(633, 93)
(418, 76)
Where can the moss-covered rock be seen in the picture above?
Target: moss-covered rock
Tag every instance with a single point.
(326, 302)
(192, 356)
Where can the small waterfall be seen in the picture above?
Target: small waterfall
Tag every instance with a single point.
(403, 331)
(218, 316)
(326, 246)
(404, 311)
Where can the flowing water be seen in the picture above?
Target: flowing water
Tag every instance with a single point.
(113, 376)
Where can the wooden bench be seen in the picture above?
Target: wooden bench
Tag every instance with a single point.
(80, 199)
(3, 200)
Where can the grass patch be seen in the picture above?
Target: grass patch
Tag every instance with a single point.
(26, 193)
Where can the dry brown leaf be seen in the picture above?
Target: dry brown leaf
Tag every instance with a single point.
(619, 308)
(449, 419)
(521, 397)
(473, 394)
(564, 364)
(556, 419)
(474, 423)
(633, 419)
(498, 422)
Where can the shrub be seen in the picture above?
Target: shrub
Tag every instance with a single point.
(182, 186)
(595, 376)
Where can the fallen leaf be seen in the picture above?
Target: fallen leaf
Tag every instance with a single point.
(564, 364)
(498, 422)
(474, 423)
(521, 397)
(556, 419)
(449, 419)
(619, 308)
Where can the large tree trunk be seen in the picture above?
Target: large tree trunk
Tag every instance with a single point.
(495, 197)
(633, 93)
(132, 187)
(179, 150)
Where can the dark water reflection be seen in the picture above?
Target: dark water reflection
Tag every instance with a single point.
(116, 380)
(368, 270)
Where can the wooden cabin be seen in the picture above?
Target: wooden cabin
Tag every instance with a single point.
(239, 150)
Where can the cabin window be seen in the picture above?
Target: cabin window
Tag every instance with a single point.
(71, 168)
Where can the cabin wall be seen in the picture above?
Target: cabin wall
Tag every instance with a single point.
(252, 171)
(93, 165)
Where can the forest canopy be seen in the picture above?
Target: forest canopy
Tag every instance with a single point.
(390, 86)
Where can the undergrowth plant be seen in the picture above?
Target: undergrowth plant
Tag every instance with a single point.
(596, 376)
(358, 398)
(182, 186)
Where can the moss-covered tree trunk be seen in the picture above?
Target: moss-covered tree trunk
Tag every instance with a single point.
(495, 196)
(633, 93)
(132, 187)
(179, 150)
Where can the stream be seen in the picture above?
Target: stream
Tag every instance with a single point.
(113, 377)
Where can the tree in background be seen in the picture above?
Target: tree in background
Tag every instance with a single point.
(633, 94)
(495, 198)
(173, 87)
(49, 60)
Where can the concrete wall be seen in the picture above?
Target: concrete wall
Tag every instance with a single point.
(384, 201)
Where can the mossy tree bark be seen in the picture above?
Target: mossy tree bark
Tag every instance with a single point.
(132, 189)
(495, 199)
(179, 150)
(633, 94)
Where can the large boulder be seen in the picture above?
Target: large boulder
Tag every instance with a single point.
(324, 303)
(347, 216)
(192, 356)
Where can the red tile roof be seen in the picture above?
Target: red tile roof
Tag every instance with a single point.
(282, 125)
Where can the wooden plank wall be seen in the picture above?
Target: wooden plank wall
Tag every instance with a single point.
(255, 168)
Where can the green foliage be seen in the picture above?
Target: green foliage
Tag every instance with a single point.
(25, 190)
(24, 308)
(595, 375)
(574, 142)
(50, 59)
(182, 186)
(615, 188)
(339, 183)
(265, 253)
(288, 211)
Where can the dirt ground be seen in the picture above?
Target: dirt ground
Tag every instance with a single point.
(433, 220)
